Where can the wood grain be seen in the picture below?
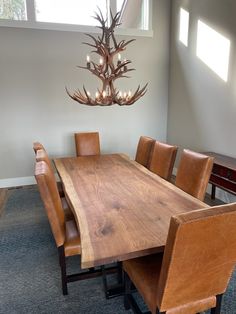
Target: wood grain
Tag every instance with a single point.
(122, 209)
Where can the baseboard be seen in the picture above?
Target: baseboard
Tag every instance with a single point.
(13, 182)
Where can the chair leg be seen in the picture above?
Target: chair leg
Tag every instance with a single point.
(104, 279)
(120, 273)
(129, 301)
(216, 310)
(127, 284)
(62, 261)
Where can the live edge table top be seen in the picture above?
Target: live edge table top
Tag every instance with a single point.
(122, 209)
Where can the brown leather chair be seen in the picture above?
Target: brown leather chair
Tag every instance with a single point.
(194, 272)
(193, 173)
(144, 150)
(41, 155)
(44, 156)
(65, 233)
(87, 143)
(163, 159)
(37, 146)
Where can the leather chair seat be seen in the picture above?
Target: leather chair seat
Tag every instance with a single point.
(144, 272)
(72, 243)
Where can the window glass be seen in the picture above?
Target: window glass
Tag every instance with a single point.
(119, 4)
(13, 9)
(77, 15)
(134, 13)
(69, 11)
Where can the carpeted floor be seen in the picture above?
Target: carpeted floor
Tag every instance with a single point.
(29, 270)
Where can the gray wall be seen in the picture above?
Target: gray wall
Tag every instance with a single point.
(202, 107)
(35, 66)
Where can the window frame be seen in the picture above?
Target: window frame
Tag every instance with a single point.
(31, 23)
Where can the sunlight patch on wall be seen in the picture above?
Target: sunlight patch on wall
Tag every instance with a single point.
(183, 26)
(213, 49)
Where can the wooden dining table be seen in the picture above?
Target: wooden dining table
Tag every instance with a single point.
(122, 209)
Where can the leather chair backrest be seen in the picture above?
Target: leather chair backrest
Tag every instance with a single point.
(41, 155)
(199, 257)
(144, 150)
(193, 173)
(51, 199)
(163, 159)
(37, 146)
(87, 143)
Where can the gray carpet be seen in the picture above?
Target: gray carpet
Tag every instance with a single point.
(29, 270)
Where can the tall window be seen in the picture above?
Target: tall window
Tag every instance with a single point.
(69, 11)
(213, 49)
(134, 13)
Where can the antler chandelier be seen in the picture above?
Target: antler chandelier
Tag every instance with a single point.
(109, 68)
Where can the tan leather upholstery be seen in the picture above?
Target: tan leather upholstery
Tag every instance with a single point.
(198, 261)
(163, 159)
(87, 143)
(144, 150)
(37, 146)
(51, 199)
(65, 233)
(41, 155)
(193, 173)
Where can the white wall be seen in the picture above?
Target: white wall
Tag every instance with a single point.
(202, 107)
(35, 66)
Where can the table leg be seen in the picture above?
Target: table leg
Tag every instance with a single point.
(213, 192)
(115, 290)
